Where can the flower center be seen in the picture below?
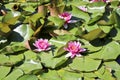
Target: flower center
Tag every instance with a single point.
(73, 47)
(42, 45)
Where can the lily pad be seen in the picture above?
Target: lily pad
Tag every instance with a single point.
(28, 77)
(85, 64)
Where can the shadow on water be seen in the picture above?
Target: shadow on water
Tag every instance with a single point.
(15, 37)
(103, 41)
(118, 60)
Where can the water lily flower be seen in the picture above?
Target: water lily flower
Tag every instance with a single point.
(67, 17)
(74, 49)
(42, 45)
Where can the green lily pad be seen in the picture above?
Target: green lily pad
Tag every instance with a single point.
(51, 75)
(117, 74)
(48, 60)
(57, 21)
(31, 66)
(30, 55)
(14, 75)
(4, 59)
(112, 65)
(13, 48)
(66, 75)
(4, 71)
(80, 14)
(96, 7)
(108, 52)
(107, 75)
(85, 64)
(28, 77)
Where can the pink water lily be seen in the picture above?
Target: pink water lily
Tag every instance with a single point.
(74, 49)
(67, 17)
(42, 45)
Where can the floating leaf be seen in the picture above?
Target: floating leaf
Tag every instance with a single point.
(16, 58)
(108, 52)
(96, 7)
(114, 4)
(117, 74)
(31, 66)
(36, 16)
(7, 17)
(29, 8)
(13, 48)
(51, 75)
(4, 29)
(60, 52)
(93, 34)
(28, 77)
(107, 75)
(14, 75)
(4, 71)
(107, 20)
(100, 71)
(10, 60)
(91, 27)
(85, 64)
(112, 65)
(90, 75)
(106, 29)
(4, 59)
(61, 32)
(13, 20)
(21, 0)
(117, 16)
(30, 55)
(77, 3)
(80, 14)
(57, 21)
(95, 17)
(49, 61)
(66, 75)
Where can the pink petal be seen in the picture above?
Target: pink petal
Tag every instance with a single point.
(68, 55)
(82, 50)
(73, 55)
(72, 21)
(78, 55)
